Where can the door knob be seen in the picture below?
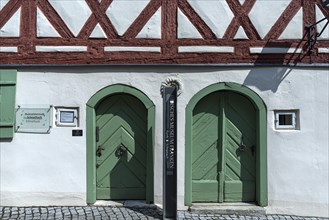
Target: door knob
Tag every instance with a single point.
(120, 150)
(99, 151)
(242, 147)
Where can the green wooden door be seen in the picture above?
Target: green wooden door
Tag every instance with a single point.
(121, 148)
(223, 149)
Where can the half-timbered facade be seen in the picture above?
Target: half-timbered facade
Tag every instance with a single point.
(81, 107)
(159, 32)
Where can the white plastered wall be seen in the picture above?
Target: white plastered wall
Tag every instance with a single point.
(50, 169)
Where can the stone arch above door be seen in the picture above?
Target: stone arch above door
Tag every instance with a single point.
(261, 138)
(91, 136)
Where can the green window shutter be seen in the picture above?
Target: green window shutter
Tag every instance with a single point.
(7, 103)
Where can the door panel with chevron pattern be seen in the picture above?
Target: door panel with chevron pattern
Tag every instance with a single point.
(206, 148)
(240, 130)
(121, 148)
(223, 158)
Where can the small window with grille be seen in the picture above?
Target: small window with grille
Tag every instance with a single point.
(286, 119)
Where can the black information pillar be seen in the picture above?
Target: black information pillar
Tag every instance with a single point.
(169, 152)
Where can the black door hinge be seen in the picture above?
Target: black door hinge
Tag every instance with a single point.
(97, 133)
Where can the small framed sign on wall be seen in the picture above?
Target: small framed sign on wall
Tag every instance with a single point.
(66, 117)
(33, 119)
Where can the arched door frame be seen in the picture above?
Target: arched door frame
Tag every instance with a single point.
(261, 148)
(91, 136)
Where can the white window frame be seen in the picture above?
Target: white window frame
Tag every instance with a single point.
(59, 114)
(294, 115)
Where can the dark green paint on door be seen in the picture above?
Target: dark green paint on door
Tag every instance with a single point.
(223, 149)
(122, 123)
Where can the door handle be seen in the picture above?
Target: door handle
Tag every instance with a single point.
(99, 151)
(120, 150)
(242, 147)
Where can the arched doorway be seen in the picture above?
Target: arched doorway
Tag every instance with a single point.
(120, 128)
(226, 146)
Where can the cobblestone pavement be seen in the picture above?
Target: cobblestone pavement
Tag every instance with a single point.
(106, 212)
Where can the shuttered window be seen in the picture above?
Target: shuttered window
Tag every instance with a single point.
(7, 103)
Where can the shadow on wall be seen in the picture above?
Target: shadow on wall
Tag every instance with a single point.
(267, 78)
(280, 56)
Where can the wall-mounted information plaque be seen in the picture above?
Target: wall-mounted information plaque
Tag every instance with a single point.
(33, 120)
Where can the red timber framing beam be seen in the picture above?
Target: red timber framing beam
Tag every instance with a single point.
(169, 43)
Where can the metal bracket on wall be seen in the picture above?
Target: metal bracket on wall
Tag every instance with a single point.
(312, 33)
